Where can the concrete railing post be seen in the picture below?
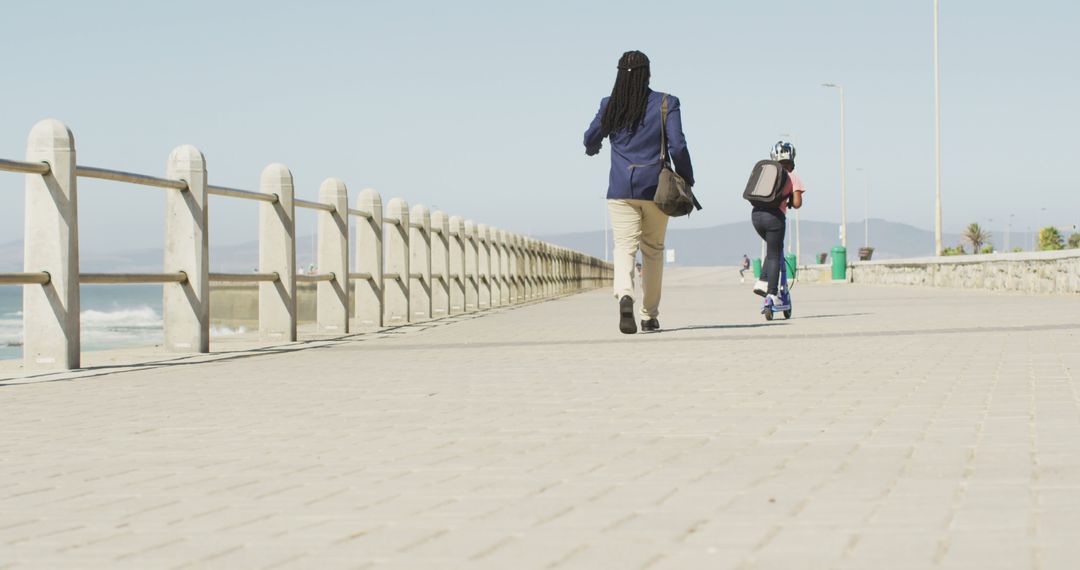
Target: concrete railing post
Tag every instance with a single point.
(517, 292)
(553, 271)
(472, 267)
(396, 267)
(531, 269)
(368, 291)
(186, 306)
(483, 259)
(277, 254)
(51, 337)
(332, 297)
(505, 287)
(440, 265)
(526, 284)
(457, 265)
(420, 285)
(497, 285)
(523, 268)
(545, 270)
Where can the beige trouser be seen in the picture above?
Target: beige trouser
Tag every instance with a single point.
(639, 224)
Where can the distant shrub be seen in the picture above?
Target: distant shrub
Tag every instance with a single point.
(1074, 241)
(1017, 249)
(958, 250)
(1050, 239)
(988, 248)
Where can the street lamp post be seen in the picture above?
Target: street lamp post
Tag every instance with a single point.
(866, 210)
(843, 178)
(1008, 234)
(937, 139)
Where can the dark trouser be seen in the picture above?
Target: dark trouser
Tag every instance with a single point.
(770, 226)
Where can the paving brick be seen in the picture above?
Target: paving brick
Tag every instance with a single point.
(880, 428)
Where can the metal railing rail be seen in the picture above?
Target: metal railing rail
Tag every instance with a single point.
(315, 278)
(129, 177)
(24, 167)
(38, 278)
(242, 194)
(131, 278)
(359, 213)
(243, 277)
(313, 205)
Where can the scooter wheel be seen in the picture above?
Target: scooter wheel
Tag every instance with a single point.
(787, 314)
(768, 314)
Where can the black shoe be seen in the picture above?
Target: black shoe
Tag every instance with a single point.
(650, 325)
(626, 315)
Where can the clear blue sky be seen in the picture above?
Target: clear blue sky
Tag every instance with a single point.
(479, 107)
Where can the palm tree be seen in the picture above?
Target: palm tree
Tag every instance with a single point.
(976, 236)
(1050, 238)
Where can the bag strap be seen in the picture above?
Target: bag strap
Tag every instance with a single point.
(664, 158)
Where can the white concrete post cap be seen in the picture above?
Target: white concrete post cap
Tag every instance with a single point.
(333, 187)
(50, 134)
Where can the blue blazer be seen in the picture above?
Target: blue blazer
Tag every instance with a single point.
(635, 156)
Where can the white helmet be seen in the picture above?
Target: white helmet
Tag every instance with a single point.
(783, 150)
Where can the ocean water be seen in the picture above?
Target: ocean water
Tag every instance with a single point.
(113, 316)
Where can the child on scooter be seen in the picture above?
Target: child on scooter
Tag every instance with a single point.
(769, 223)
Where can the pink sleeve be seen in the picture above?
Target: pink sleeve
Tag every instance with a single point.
(796, 183)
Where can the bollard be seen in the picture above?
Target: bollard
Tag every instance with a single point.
(483, 259)
(472, 267)
(277, 254)
(440, 265)
(332, 297)
(368, 286)
(420, 286)
(396, 265)
(51, 337)
(186, 306)
(457, 266)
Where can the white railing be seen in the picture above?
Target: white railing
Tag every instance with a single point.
(409, 265)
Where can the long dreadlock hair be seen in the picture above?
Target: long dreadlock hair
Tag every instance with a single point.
(626, 108)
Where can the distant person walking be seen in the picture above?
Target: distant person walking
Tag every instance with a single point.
(745, 266)
(630, 120)
(769, 222)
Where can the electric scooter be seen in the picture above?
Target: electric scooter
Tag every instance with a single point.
(783, 292)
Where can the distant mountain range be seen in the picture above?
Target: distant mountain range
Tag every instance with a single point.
(725, 244)
(717, 245)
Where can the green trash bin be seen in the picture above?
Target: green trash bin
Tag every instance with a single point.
(839, 263)
(757, 268)
(789, 259)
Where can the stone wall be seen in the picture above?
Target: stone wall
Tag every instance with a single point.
(1049, 272)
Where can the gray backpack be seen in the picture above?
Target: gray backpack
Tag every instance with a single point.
(765, 188)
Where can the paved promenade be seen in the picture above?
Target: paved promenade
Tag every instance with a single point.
(879, 428)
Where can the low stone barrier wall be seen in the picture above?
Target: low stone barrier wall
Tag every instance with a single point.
(1049, 272)
(235, 305)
